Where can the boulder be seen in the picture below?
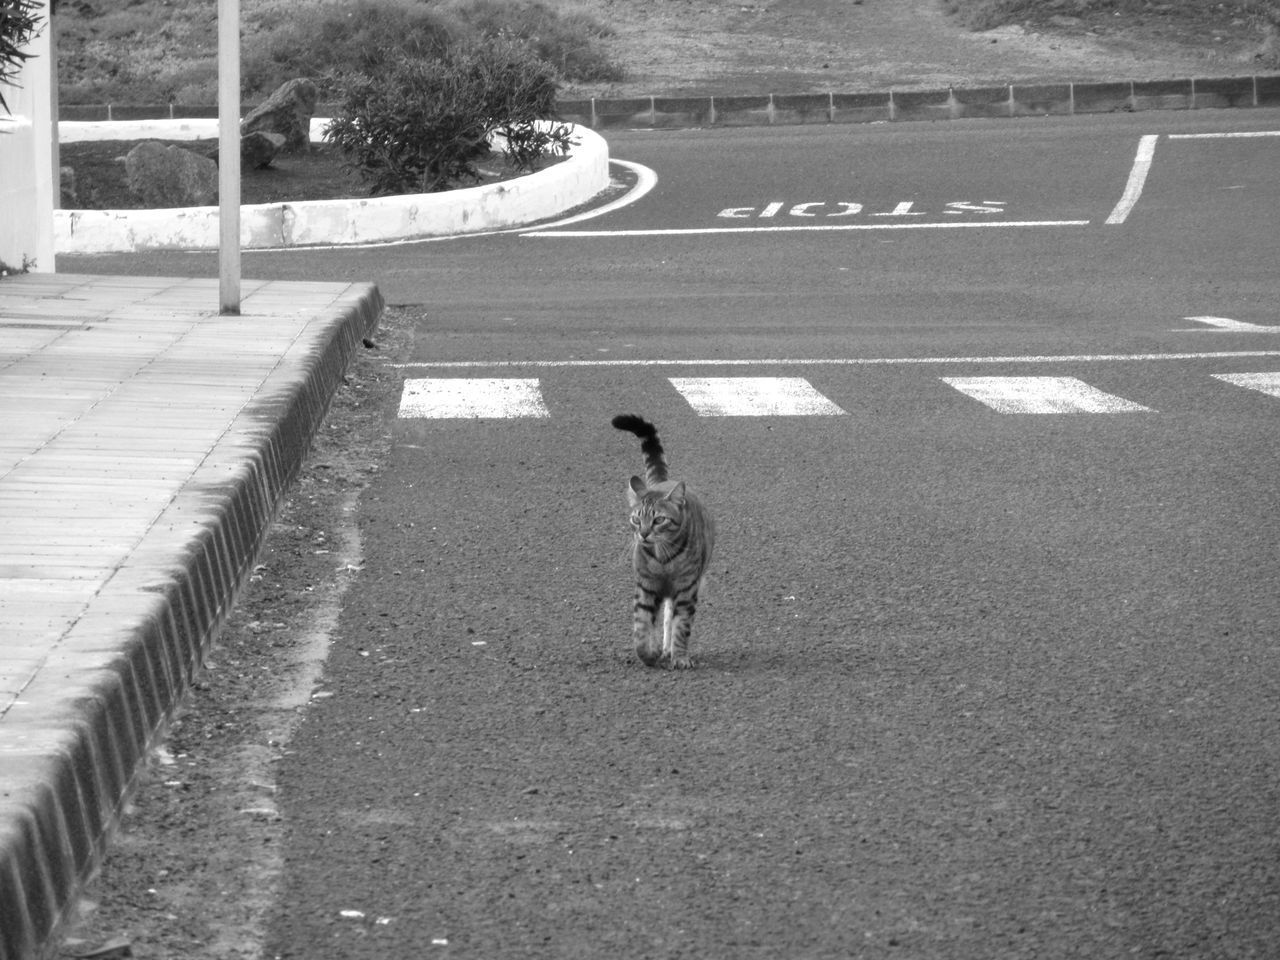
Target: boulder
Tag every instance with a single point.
(259, 148)
(287, 111)
(170, 176)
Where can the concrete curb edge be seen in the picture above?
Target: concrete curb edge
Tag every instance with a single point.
(60, 807)
(512, 203)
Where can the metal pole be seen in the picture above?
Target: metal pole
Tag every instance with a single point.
(229, 156)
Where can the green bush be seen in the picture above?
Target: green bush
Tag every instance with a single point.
(423, 124)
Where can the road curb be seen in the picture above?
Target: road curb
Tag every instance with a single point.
(511, 203)
(74, 740)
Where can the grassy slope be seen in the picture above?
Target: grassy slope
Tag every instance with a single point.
(157, 51)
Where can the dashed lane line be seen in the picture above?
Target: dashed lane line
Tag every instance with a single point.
(1137, 179)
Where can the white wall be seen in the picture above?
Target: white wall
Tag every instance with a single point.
(28, 180)
(498, 206)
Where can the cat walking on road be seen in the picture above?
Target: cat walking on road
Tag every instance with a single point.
(673, 538)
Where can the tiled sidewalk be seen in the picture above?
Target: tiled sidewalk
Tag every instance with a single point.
(144, 444)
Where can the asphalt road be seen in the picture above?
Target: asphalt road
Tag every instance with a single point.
(972, 683)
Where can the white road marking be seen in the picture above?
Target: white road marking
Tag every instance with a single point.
(1224, 136)
(488, 398)
(832, 361)
(1237, 326)
(793, 228)
(902, 210)
(1268, 383)
(1042, 395)
(754, 397)
(1137, 178)
(646, 180)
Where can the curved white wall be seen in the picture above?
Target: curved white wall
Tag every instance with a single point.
(497, 206)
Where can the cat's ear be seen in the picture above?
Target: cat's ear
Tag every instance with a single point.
(676, 493)
(635, 491)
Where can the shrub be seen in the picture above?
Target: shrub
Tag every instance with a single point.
(19, 23)
(422, 125)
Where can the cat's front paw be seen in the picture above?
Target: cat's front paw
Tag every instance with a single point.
(648, 655)
(682, 663)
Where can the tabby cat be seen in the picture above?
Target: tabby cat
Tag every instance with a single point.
(674, 534)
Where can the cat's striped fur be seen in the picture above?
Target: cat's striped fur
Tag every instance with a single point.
(674, 536)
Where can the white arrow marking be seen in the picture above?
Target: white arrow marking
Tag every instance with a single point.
(1268, 383)
(1239, 326)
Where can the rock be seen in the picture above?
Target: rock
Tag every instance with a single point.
(170, 176)
(259, 148)
(287, 111)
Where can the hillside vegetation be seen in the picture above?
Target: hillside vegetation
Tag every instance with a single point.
(158, 51)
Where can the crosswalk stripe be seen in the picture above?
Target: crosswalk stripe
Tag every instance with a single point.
(753, 396)
(513, 397)
(1268, 383)
(1041, 395)
(472, 398)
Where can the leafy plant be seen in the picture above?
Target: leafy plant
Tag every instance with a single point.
(527, 143)
(423, 125)
(19, 23)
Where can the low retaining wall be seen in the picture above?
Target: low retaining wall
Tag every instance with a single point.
(952, 103)
(511, 203)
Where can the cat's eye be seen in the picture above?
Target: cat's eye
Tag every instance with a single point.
(661, 521)
(635, 520)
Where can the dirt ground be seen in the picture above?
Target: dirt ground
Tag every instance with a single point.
(192, 867)
(319, 174)
(706, 47)
(194, 862)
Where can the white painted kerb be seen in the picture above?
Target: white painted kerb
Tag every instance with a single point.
(513, 203)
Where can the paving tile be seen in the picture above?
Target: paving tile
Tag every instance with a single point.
(124, 397)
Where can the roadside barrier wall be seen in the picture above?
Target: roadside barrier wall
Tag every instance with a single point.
(950, 103)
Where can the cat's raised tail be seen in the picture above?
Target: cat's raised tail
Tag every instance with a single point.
(655, 461)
